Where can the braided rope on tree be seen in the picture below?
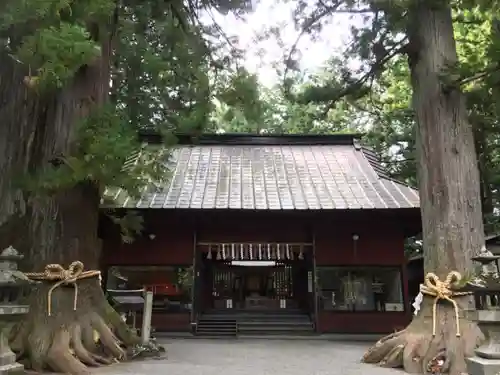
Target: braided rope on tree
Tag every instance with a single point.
(56, 272)
(442, 290)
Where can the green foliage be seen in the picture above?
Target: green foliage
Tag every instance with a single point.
(46, 12)
(131, 224)
(57, 53)
(19, 12)
(51, 37)
(167, 66)
(413, 247)
(185, 278)
(245, 106)
(108, 154)
(242, 94)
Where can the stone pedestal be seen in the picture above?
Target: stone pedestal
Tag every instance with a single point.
(482, 366)
(487, 358)
(12, 286)
(8, 316)
(489, 322)
(8, 364)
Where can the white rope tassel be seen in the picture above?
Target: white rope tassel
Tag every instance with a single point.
(289, 255)
(218, 256)
(242, 251)
(209, 254)
(301, 253)
(278, 251)
(224, 251)
(233, 251)
(250, 251)
(268, 251)
(260, 252)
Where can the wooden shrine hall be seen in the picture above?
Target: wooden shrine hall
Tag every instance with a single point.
(256, 234)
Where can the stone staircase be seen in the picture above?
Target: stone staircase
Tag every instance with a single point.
(231, 323)
(211, 327)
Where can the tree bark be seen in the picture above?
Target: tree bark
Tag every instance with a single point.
(484, 162)
(449, 197)
(18, 112)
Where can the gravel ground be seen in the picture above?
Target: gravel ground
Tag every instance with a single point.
(254, 357)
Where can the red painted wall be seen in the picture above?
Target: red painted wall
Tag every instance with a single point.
(361, 322)
(171, 322)
(380, 243)
(252, 226)
(172, 243)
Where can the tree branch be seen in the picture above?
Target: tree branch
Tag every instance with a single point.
(306, 28)
(374, 69)
(477, 76)
(453, 80)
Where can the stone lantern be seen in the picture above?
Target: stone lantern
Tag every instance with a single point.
(13, 285)
(486, 290)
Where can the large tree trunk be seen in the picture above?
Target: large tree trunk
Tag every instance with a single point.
(449, 197)
(448, 171)
(59, 228)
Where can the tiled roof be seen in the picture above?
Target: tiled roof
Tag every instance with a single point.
(274, 177)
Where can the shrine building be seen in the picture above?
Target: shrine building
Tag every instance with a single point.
(269, 234)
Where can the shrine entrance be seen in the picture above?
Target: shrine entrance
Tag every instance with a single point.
(255, 277)
(253, 287)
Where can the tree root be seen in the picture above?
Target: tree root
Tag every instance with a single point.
(66, 341)
(79, 349)
(417, 351)
(61, 359)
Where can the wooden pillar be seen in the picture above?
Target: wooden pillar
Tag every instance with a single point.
(405, 290)
(195, 284)
(314, 281)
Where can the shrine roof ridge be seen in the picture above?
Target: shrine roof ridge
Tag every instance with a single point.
(249, 139)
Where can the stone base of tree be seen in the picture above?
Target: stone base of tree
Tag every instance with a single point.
(483, 366)
(72, 340)
(12, 369)
(418, 351)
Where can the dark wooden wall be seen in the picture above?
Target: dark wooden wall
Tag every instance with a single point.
(379, 242)
(172, 243)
